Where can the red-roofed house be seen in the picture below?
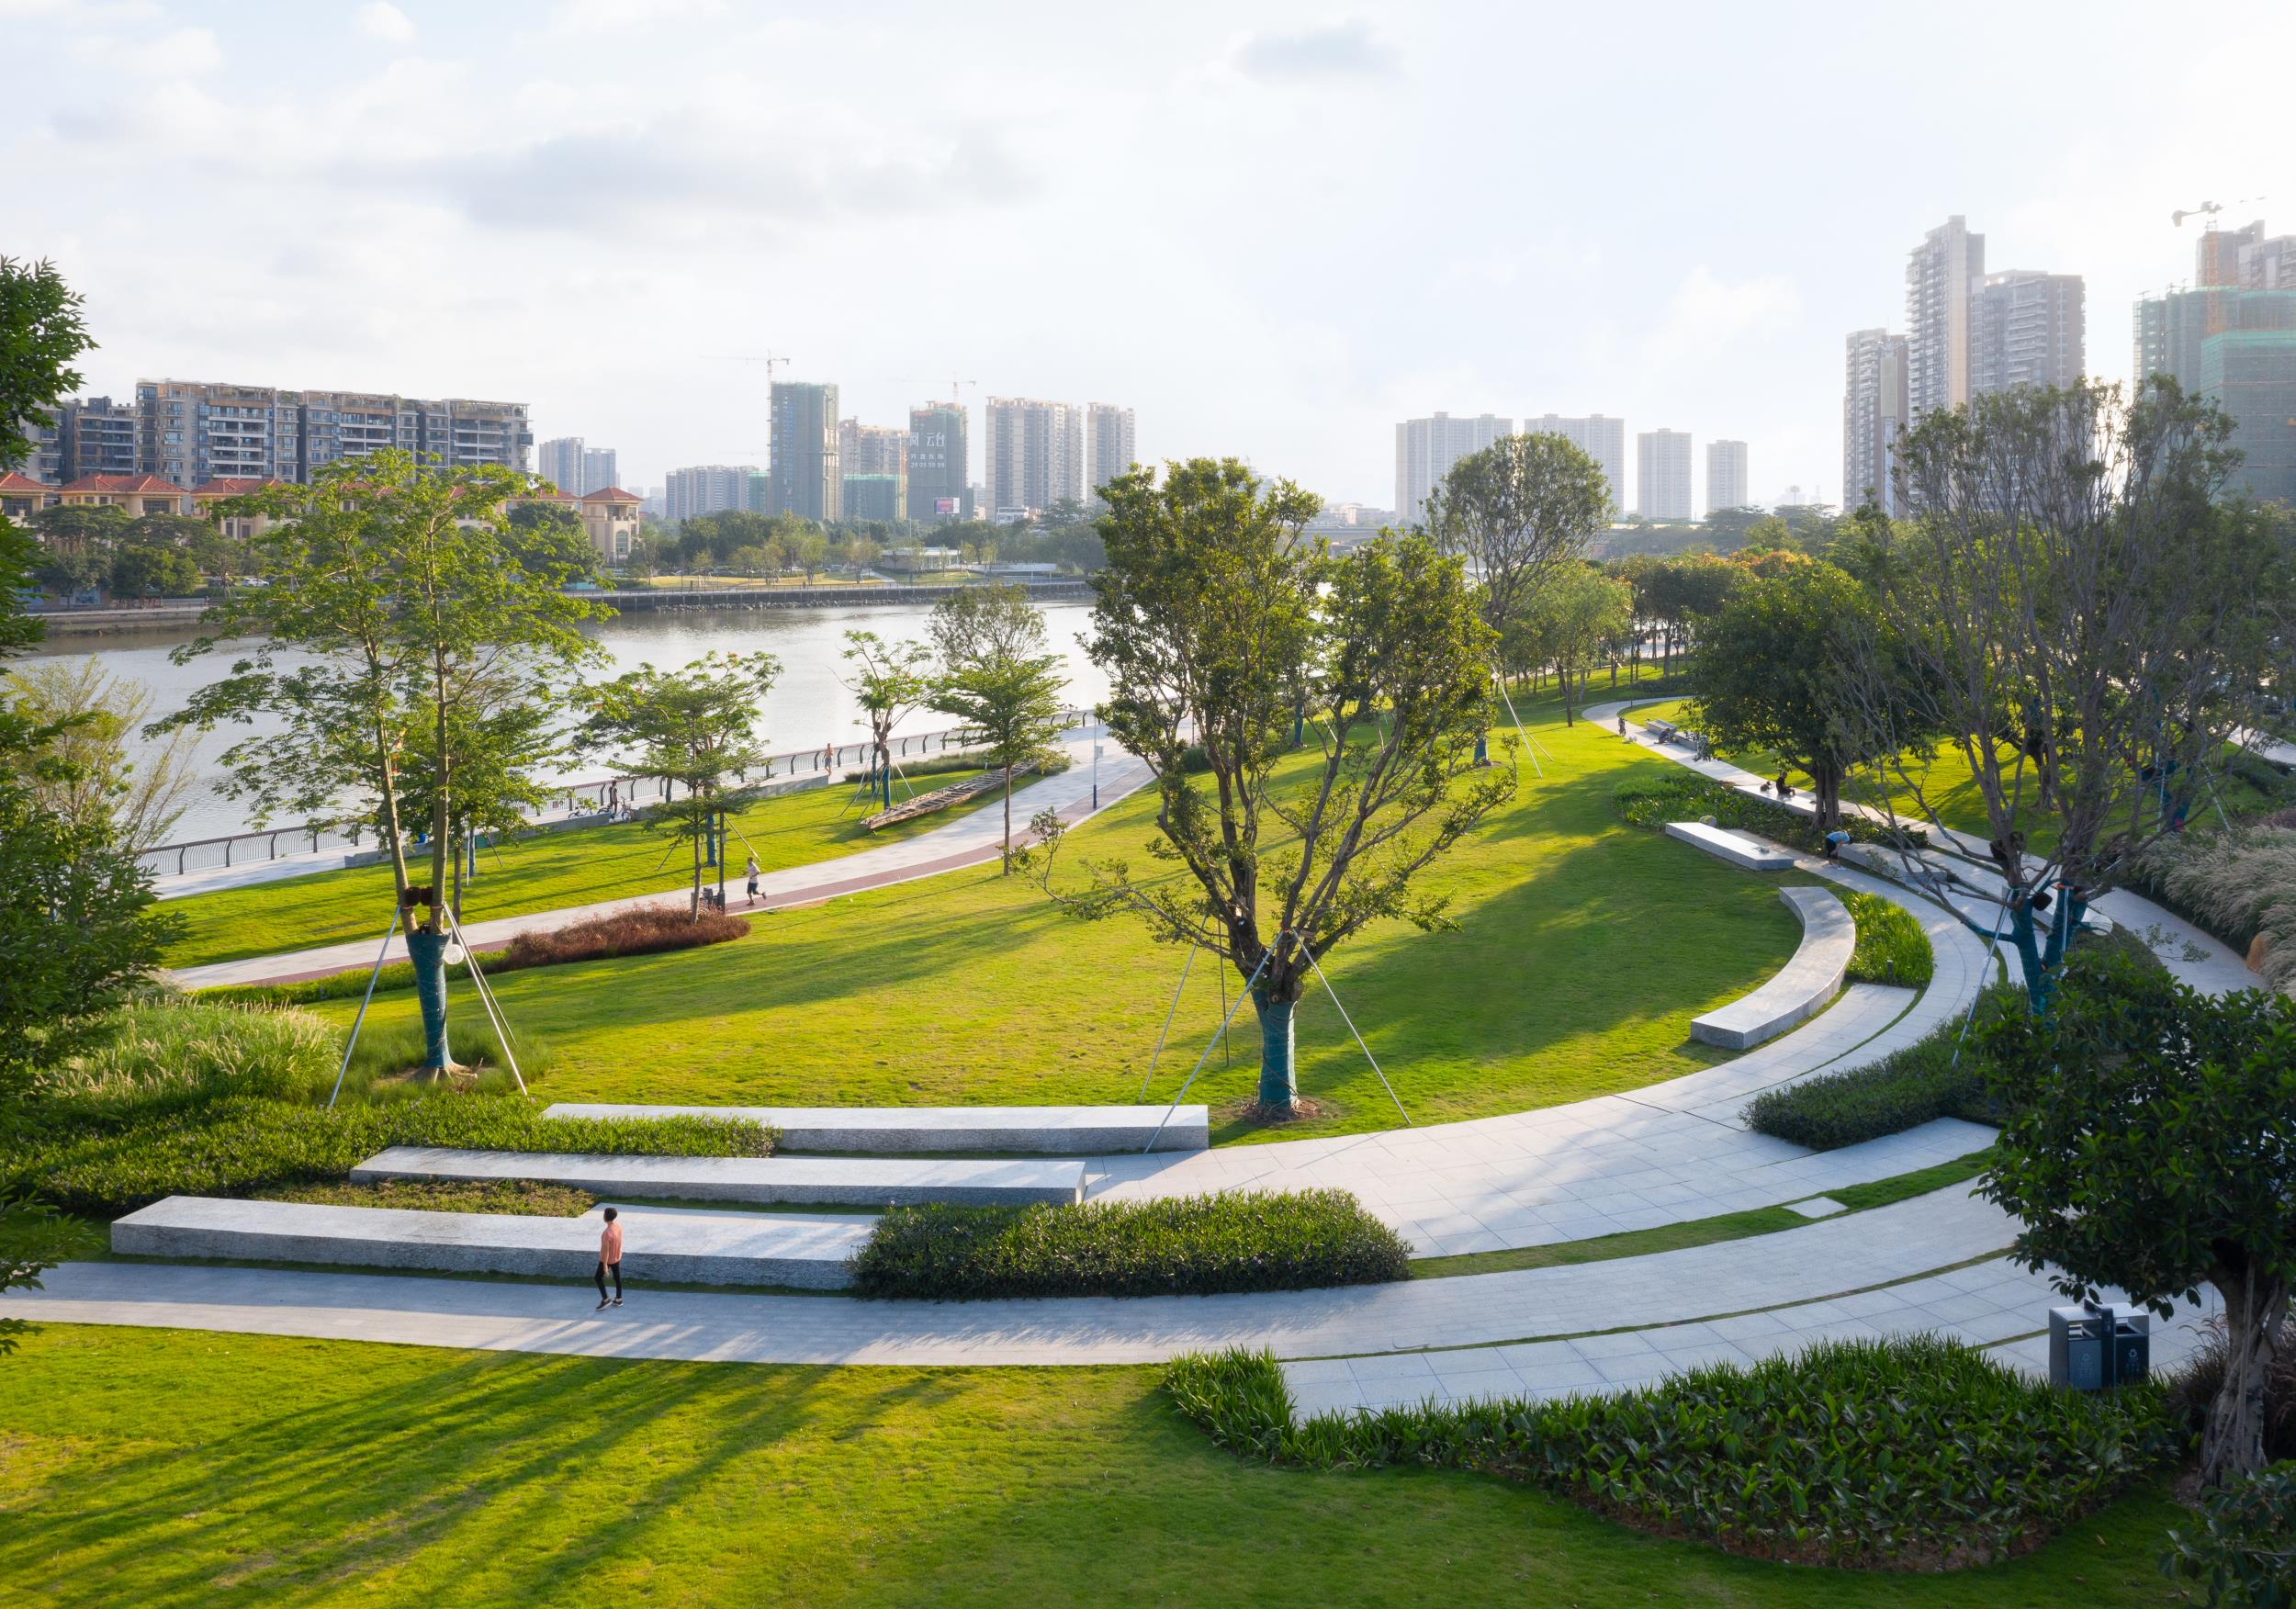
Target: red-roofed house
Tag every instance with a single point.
(207, 493)
(609, 516)
(21, 497)
(138, 494)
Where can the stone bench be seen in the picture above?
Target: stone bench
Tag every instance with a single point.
(812, 1252)
(1661, 730)
(1743, 853)
(814, 1180)
(1077, 1130)
(1802, 988)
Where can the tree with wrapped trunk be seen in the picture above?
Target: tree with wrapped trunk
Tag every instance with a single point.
(1224, 631)
(2150, 1140)
(404, 616)
(890, 679)
(998, 679)
(696, 728)
(2085, 621)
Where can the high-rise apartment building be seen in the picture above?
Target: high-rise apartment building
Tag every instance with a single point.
(601, 470)
(938, 455)
(2026, 329)
(1873, 414)
(1941, 276)
(1662, 474)
(192, 431)
(874, 461)
(2233, 340)
(1600, 438)
(1036, 455)
(1110, 447)
(706, 489)
(559, 462)
(86, 436)
(807, 481)
(2246, 258)
(1726, 476)
(1426, 448)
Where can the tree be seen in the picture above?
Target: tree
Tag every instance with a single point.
(138, 570)
(41, 336)
(2085, 622)
(77, 542)
(1571, 620)
(695, 727)
(1516, 512)
(890, 679)
(810, 551)
(406, 610)
(20, 554)
(1222, 629)
(221, 555)
(82, 774)
(2148, 1145)
(1770, 674)
(996, 679)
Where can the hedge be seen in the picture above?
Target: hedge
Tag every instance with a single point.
(1912, 1452)
(1686, 796)
(1902, 1090)
(1196, 1245)
(84, 1159)
(1891, 948)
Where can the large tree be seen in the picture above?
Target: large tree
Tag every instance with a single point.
(1516, 512)
(1771, 668)
(999, 679)
(83, 773)
(695, 727)
(2150, 1140)
(402, 607)
(2085, 622)
(1221, 630)
(1573, 622)
(41, 336)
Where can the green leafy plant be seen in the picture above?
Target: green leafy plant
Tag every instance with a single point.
(2245, 1548)
(1891, 948)
(1686, 796)
(1914, 1451)
(1902, 1090)
(1195, 1245)
(517, 1198)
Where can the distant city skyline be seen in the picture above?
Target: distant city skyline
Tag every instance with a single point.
(1687, 268)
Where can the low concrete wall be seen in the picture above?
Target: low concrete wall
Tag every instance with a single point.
(812, 1180)
(1080, 1130)
(1802, 988)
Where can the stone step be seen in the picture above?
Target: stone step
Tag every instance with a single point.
(811, 1251)
(837, 1181)
(1738, 851)
(1053, 1130)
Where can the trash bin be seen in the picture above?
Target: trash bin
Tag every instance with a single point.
(2095, 1347)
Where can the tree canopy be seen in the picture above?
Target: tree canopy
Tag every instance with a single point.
(41, 336)
(997, 678)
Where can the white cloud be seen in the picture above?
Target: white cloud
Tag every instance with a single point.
(605, 16)
(179, 53)
(380, 19)
(1345, 48)
(1708, 315)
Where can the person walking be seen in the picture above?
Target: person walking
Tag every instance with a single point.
(750, 871)
(610, 1257)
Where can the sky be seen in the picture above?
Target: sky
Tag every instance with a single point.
(1273, 229)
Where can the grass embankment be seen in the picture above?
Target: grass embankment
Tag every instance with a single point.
(163, 1470)
(545, 872)
(1582, 949)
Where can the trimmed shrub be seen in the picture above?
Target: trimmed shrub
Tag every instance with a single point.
(648, 931)
(1902, 1090)
(86, 1158)
(1912, 1452)
(519, 1198)
(1687, 796)
(1195, 1245)
(201, 1049)
(1891, 948)
(2246, 1548)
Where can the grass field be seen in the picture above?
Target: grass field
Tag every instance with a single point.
(539, 873)
(165, 1468)
(1582, 948)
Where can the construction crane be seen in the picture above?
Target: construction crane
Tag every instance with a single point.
(954, 392)
(2208, 209)
(771, 360)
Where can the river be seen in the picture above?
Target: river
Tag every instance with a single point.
(809, 705)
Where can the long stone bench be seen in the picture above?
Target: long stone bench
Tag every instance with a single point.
(835, 1181)
(1077, 1130)
(1743, 853)
(812, 1252)
(1801, 988)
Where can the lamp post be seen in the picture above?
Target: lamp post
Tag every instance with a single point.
(1096, 776)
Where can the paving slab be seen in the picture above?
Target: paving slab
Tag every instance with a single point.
(1802, 988)
(811, 1252)
(859, 1181)
(1053, 1131)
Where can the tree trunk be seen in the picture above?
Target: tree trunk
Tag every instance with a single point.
(1278, 1086)
(427, 950)
(2233, 1445)
(694, 910)
(439, 1059)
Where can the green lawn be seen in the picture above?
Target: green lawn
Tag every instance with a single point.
(1582, 948)
(539, 873)
(164, 1469)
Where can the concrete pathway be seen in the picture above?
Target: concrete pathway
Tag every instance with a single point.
(1826, 1259)
(970, 841)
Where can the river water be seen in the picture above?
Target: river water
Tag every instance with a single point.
(808, 708)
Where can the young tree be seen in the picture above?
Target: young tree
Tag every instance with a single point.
(890, 679)
(1221, 627)
(2084, 622)
(2148, 1143)
(1569, 624)
(997, 678)
(1516, 512)
(83, 773)
(404, 605)
(1770, 674)
(41, 336)
(695, 727)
